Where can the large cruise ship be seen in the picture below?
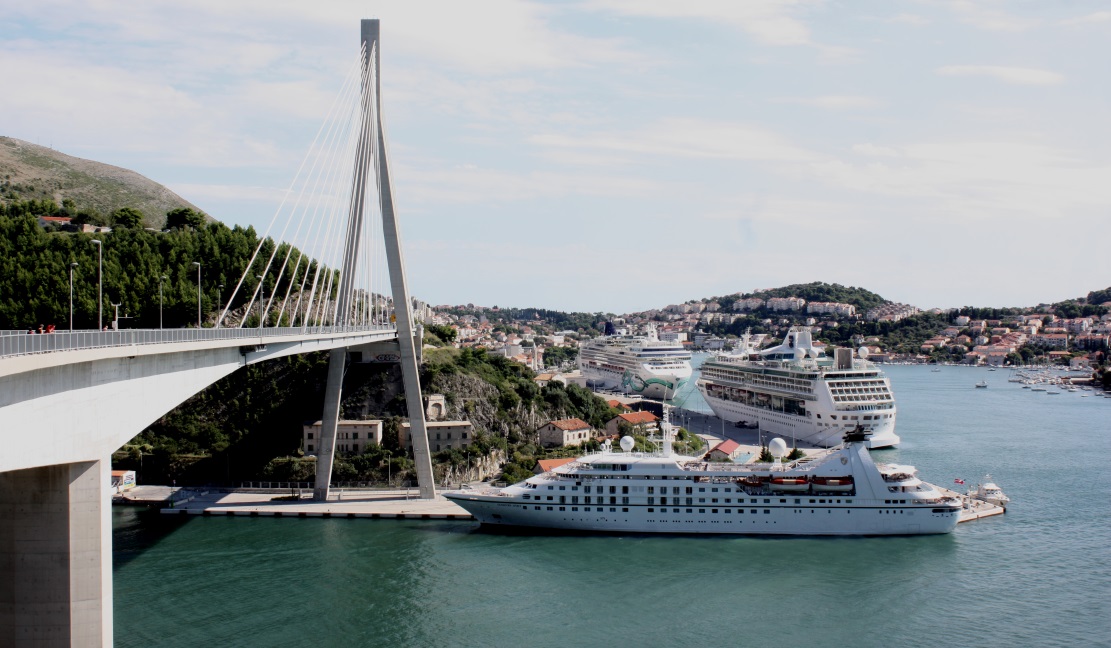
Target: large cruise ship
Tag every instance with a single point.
(796, 391)
(840, 491)
(639, 364)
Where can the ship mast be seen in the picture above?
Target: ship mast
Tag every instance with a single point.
(666, 432)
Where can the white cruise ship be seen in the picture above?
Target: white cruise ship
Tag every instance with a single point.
(796, 391)
(838, 492)
(639, 364)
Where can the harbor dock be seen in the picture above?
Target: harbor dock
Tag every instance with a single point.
(377, 504)
(398, 504)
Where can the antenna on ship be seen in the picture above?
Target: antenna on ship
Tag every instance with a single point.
(665, 431)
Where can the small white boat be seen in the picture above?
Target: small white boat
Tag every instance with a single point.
(982, 384)
(989, 492)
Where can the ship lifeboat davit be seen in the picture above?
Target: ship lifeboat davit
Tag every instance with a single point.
(833, 484)
(789, 483)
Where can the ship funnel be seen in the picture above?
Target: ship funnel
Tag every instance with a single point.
(842, 358)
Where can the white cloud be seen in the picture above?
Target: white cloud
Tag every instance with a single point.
(690, 138)
(839, 102)
(1013, 75)
(909, 19)
(984, 15)
(768, 21)
(875, 151)
(1097, 17)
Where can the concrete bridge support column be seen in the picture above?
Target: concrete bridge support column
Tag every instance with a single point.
(333, 395)
(56, 555)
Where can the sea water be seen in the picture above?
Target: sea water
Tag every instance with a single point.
(1037, 576)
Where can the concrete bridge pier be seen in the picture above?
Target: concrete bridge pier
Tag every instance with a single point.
(56, 555)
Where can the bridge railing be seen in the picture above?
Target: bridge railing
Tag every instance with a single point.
(15, 343)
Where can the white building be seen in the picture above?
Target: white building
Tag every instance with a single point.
(565, 432)
(786, 303)
(442, 435)
(351, 436)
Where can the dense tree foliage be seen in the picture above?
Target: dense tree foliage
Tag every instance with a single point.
(35, 263)
(184, 217)
(1099, 296)
(816, 291)
(558, 356)
(446, 334)
(589, 324)
(127, 217)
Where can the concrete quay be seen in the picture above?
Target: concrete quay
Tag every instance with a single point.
(974, 509)
(399, 504)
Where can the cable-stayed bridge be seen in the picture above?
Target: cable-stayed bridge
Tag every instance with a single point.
(328, 275)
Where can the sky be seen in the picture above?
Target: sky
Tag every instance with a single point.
(604, 155)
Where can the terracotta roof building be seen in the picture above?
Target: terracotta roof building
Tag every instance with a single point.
(644, 422)
(565, 432)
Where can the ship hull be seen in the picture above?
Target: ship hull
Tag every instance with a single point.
(794, 427)
(636, 381)
(776, 518)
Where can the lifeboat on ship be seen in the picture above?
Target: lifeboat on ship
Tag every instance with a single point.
(832, 484)
(789, 483)
(753, 481)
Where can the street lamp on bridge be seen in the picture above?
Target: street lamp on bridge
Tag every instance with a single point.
(261, 300)
(99, 284)
(160, 280)
(198, 264)
(71, 267)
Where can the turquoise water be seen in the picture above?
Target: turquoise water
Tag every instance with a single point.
(1038, 576)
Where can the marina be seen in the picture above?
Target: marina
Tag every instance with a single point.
(448, 578)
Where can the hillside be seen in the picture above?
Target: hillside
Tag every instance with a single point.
(29, 171)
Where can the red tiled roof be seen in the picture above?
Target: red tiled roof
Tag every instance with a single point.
(728, 446)
(549, 464)
(571, 424)
(639, 417)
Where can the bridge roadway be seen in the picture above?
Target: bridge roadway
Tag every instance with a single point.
(67, 401)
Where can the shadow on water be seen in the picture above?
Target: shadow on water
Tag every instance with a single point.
(137, 529)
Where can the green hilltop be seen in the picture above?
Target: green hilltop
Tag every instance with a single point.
(32, 172)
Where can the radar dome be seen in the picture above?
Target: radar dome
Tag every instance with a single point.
(778, 447)
(813, 353)
(800, 353)
(627, 443)
(862, 352)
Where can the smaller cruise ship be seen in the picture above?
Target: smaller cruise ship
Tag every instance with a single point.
(639, 364)
(796, 391)
(840, 491)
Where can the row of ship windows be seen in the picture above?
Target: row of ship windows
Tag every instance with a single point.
(726, 511)
(778, 383)
(690, 500)
(867, 417)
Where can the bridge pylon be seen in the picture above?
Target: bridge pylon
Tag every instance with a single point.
(373, 148)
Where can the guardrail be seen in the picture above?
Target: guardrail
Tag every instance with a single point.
(16, 343)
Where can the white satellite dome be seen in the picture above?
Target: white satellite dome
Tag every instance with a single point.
(627, 443)
(778, 447)
(862, 352)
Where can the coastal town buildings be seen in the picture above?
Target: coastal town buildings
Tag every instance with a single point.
(565, 432)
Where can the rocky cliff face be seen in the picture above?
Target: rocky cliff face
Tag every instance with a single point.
(473, 399)
(476, 469)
